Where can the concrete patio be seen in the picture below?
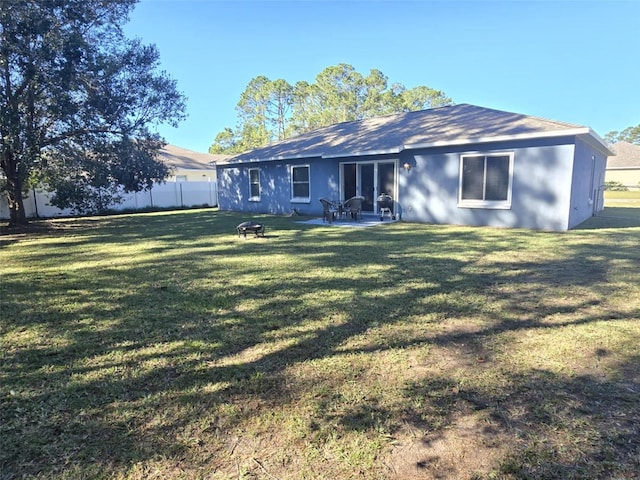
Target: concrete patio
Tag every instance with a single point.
(367, 221)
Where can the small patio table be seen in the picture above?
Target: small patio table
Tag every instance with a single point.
(338, 208)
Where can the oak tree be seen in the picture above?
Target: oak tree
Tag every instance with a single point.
(79, 103)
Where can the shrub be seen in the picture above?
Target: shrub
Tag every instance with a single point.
(613, 186)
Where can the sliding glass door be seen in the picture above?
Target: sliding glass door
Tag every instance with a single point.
(369, 179)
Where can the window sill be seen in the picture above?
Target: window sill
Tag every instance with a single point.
(300, 200)
(254, 199)
(485, 205)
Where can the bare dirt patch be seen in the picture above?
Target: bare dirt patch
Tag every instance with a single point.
(470, 446)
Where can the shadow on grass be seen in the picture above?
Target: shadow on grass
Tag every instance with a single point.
(145, 352)
(577, 428)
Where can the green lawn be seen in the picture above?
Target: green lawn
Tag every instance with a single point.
(626, 195)
(163, 346)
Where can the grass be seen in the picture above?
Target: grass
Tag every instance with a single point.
(624, 195)
(163, 346)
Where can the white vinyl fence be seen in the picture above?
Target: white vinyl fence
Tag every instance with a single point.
(161, 195)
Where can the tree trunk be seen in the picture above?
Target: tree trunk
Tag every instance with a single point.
(17, 215)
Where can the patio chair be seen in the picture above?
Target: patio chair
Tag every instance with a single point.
(353, 208)
(329, 210)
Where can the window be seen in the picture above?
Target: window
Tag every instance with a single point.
(485, 180)
(300, 183)
(254, 184)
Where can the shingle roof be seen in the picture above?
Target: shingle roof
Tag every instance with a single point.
(182, 158)
(627, 156)
(458, 124)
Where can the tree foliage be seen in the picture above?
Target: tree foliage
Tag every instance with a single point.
(78, 103)
(272, 110)
(629, 134)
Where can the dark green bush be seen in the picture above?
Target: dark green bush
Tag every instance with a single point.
(612, 186)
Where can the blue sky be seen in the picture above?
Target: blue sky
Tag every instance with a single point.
(573, 61)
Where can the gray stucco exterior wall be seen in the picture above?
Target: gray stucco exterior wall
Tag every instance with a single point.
(275, 186)
(540, 192)
(587, 192)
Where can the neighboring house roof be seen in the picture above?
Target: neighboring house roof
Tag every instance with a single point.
(627, 156)
(177, 157)
(453, 125)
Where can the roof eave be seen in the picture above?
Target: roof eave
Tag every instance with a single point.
(600, 143)
(364, 153)
(240, 161)
(498, 138)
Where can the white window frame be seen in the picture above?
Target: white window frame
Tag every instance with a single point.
(253, 198)
(295, 199)
(488, 204)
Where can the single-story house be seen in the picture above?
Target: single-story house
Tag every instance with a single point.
(460, 164)
(625, 166)
(189, 166)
